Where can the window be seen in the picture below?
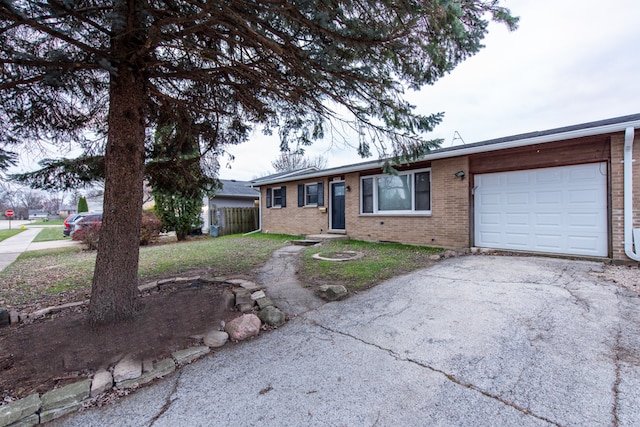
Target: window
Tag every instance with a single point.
(311, 194)
(277, 197)
(405, 193)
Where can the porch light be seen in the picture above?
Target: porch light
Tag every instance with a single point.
(459, 174)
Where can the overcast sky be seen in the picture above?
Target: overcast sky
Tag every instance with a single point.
(569, 62)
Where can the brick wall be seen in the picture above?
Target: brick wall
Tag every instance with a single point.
(447, 226)
(293, 219)
(617, 192)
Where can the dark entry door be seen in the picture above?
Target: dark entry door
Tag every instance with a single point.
(337, 206)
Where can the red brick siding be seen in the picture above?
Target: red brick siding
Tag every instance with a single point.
(617, 192)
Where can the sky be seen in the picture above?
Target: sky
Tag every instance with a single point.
(569, 62)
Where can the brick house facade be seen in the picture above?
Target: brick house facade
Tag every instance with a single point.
(566, 218)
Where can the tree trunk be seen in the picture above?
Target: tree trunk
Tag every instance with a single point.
(115, 280)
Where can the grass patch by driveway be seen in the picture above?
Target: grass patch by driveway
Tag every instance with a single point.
(380, 262)
(49, 234)
(36, 274)
(5, 234)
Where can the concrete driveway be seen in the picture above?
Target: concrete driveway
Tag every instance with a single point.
(472, 341)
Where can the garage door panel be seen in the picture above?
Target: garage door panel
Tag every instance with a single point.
(557, 210)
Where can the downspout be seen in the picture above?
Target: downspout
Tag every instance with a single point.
(629, 232)
(259, 214)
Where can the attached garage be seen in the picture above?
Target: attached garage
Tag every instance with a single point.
(559, 210)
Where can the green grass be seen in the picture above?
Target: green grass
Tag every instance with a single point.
(381, 261)
(49, 234)
(53, 271)
(5, 234)
(50, 222)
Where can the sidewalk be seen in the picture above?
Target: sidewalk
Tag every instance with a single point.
(12, 247)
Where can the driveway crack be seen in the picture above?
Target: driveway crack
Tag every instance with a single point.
(168, 401)
(448, 376)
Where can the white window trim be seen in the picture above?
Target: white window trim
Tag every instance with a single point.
(412, 211)
(310, 205)
(273, 197)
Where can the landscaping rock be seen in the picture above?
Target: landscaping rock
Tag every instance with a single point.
(264, 302)
(450, 254)
(5, 320)
(257, 295)
(272, 316)
(435, 257)
(151, 286)
(30, 421)
(228, 299)
(14, 317)
(52, 414)
(127, 369)
(156, 370)
(102, 381)
(243, 327)
(188, 355)
(16, 411)
(245, 308)
(216, 339)
(243, 296)
(66, 396)
(246, 284)
(332, 292)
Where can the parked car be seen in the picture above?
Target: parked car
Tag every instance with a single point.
(68, 223)
(85, 221)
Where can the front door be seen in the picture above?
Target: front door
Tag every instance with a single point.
(337, 206)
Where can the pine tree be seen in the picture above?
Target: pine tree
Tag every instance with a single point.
(105, 73)
(82, 205)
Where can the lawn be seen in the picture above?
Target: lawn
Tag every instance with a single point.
(5, 234)
(55, 271)
(380, 262)
(48, 234)
(49, 222)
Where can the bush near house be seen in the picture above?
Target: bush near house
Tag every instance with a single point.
(150, 229)
(88, 235)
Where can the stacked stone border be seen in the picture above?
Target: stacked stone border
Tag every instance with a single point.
(129, 373)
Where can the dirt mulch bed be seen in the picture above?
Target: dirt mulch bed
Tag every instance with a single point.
(62, 348)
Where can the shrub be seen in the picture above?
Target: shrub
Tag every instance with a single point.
(150, 228)
(88, 235)
(82, 205)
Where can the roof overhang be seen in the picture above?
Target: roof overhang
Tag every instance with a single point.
(572, 132)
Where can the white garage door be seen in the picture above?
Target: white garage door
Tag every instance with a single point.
(554, 210)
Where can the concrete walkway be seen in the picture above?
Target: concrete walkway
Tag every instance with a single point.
(11, 248)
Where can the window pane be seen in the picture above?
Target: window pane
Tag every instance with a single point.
(367, 195)
(277, 197)
(423, 191)
(312, 194)
(394, 193)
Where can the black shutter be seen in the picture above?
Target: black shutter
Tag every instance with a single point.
(320, 194)
(284, 196)
(300, 195)
(268, 197)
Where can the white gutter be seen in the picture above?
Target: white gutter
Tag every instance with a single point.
(629, 231)
(259, 215)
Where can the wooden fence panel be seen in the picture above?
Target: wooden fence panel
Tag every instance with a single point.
(238, 220)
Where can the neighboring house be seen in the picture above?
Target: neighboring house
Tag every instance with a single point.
(559, 191)
(233, 194)
(38, 214)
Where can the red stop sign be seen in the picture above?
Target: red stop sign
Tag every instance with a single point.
(8, 213)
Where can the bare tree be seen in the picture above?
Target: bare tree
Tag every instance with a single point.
(288, 161)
